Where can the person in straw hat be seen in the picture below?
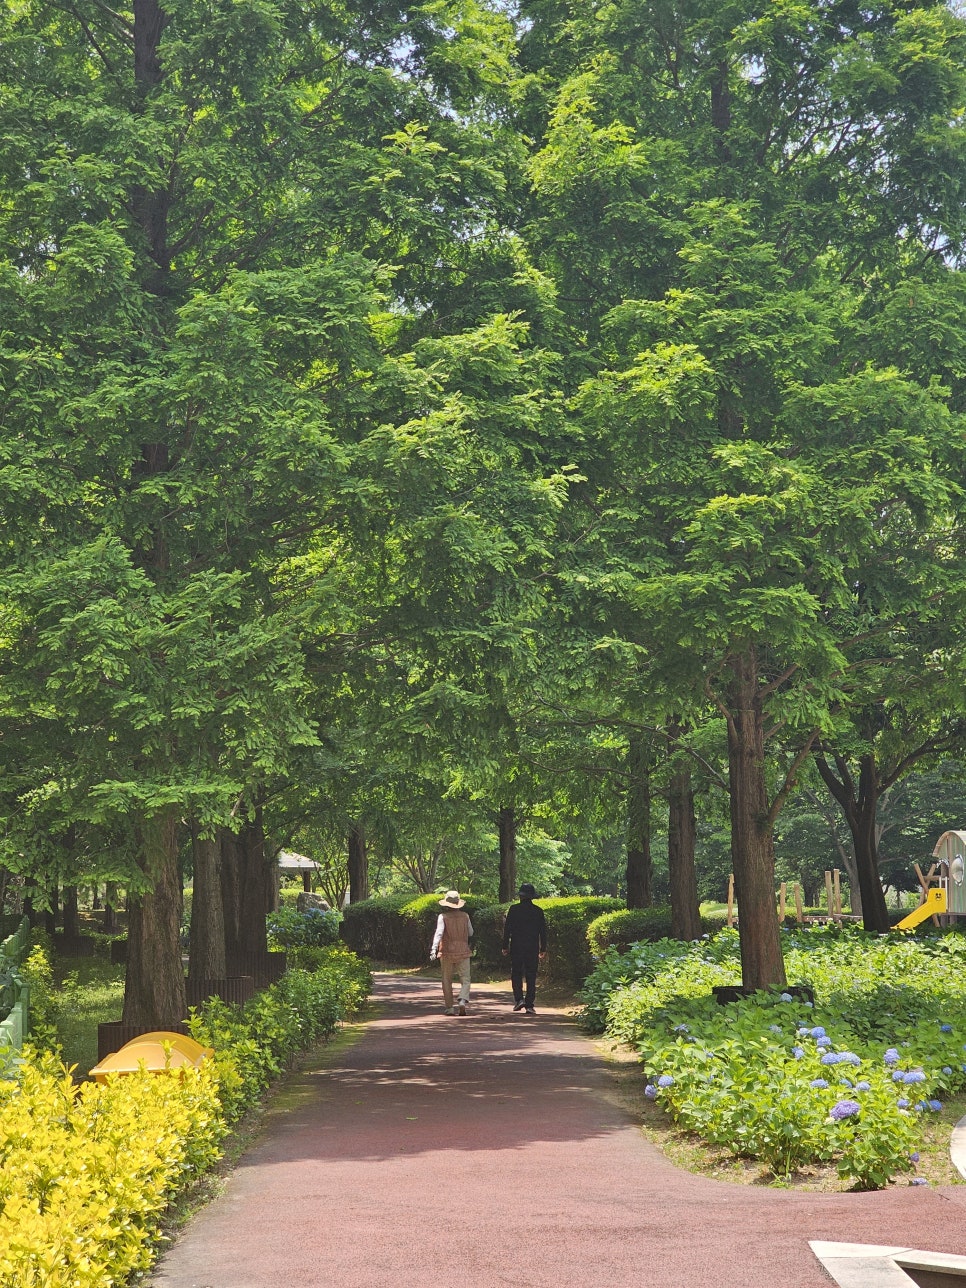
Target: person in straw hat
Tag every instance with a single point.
(451, 944)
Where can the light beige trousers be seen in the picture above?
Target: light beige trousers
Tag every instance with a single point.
(451, 968)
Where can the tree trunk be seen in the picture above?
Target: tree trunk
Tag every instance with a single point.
(206, 943)
(358, 864)
(752, 843)
(154, 993)
(639, 868)
(507, 824)
(256, 887)
(71, 913)
(859, 806)
(110, 908)
(681, 832)
(50, 914)
(231, 881)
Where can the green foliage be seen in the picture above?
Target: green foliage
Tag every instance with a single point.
(37, 971)
(768, 1076)
(91, 993)
(569, 959)
(398, 928)
(289, 928)
(254, 1043)
(627, 926)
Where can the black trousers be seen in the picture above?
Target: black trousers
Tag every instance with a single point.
(524, 966)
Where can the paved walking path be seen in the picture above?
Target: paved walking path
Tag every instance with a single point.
(491, 1151)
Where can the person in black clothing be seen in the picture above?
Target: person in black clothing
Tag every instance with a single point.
(525, 941)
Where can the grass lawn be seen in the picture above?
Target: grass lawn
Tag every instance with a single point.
(89, 991)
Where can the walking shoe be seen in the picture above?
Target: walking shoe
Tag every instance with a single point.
(529, 1010)
(518, 1006)
(462, 1008)
(450, 1011)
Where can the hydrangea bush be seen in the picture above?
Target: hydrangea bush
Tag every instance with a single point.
(844, 1081)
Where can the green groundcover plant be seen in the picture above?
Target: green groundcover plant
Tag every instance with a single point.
(843, 1081)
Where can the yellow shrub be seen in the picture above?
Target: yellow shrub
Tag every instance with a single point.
(86, 1171)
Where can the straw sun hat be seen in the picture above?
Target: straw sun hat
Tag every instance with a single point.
(451, 899)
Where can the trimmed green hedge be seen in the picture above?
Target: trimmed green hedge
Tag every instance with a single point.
(629, 926)
(397, 929)
(400, 930)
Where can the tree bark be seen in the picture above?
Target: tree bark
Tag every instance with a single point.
(256, 887)
(358, 864)
(50, 915)
(639, 867)
(71, 914)
(752, 842)
(231, 879)
(681, 833)
(206, 941)
(154, 993)
(859, 804)
(110, 908)
(507, 825)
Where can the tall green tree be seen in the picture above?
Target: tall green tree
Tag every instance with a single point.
(728, 194)
(203, 370)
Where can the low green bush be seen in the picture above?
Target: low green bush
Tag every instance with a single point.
(289, 928)
(627, 926)
(569, 960)
(397, 929)
(255, 1042)
(843, 1081)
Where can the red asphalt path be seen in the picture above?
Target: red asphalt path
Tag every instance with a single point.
(491, 1150)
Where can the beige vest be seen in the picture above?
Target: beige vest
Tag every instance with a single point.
(455, 944)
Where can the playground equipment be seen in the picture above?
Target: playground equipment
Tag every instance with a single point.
(943, 887)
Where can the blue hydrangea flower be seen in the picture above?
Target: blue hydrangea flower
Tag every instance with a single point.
(830, 1057)
(914, 1156)
(844, 1109)
(914, 1075)
(681, 1028)
(892, 1056)
(945, 1028)
(785, 997)
(918, 1180)
(947, 1070)
(808, 1005)
(774, 1028)
(665, 1080)
(817, 1032)
(849, 1057)
(863, 1086)
(823, 1042)
(902, 1102)
(820, 1083)
(920, 1107)
(650, 1091)
(935, 1106)
(898, 1075)
(798, 1052)
(844, 1082)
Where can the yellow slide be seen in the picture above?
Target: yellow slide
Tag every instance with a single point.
(935, 904)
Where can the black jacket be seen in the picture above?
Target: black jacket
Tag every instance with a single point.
(525, 931)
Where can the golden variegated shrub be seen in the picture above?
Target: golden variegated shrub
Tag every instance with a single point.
(86, 1171)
